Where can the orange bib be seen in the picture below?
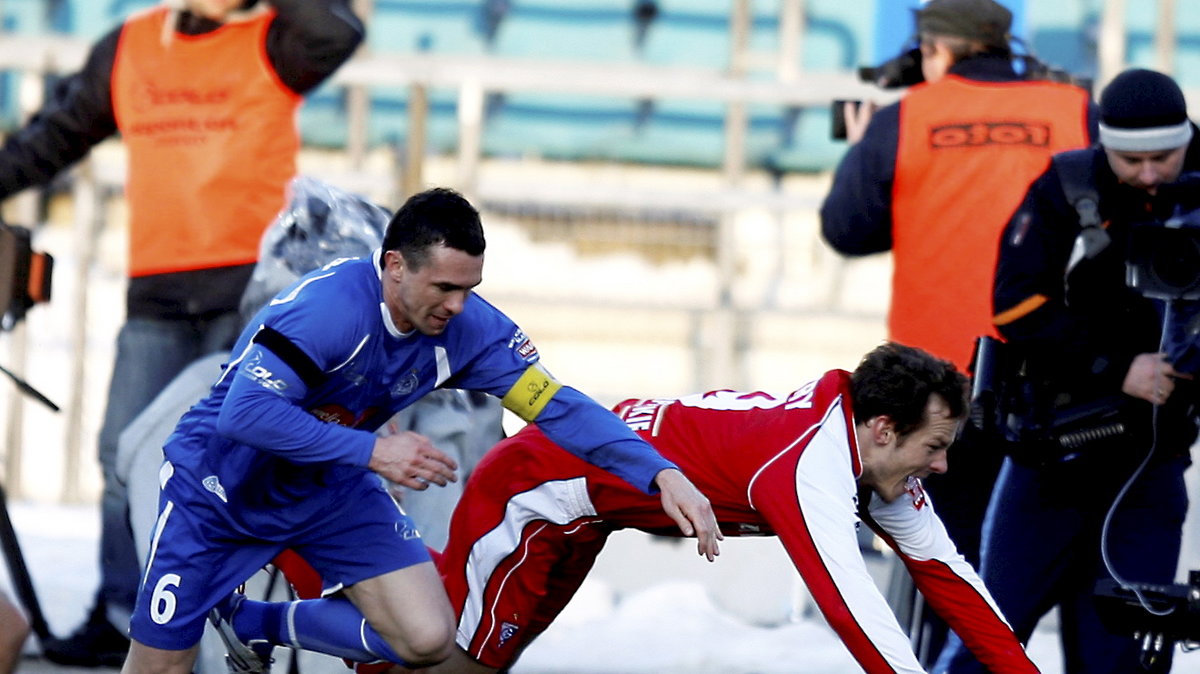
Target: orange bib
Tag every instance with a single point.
(212, 140)
(968, 151)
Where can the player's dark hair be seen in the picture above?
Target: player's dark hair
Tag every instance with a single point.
(897, 380)
(437, 216)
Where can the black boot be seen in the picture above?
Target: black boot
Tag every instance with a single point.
(95, 643)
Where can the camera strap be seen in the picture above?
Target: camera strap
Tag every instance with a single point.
(1075, 175)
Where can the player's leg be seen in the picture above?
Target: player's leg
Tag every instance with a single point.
(522, 540)
(148, 660)
(409, 609)
(194, 563)
(394, 607)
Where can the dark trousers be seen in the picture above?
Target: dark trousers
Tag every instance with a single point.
(150, 352)
(1041, 549)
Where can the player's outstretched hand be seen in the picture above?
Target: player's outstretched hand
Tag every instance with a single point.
(411, 459)
(691, 511)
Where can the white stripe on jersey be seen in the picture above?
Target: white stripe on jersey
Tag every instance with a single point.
(558, 501)
(296, 291)
(826, 488)
(443, 365)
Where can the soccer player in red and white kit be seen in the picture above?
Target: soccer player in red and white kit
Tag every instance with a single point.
(807, 467)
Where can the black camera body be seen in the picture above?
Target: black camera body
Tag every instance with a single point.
(24, 275)
(901, 71)
(1164, 257)
(1158, 616)
(1013, 402)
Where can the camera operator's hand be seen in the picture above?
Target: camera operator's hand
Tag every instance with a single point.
(1151, 378)
(857, 118)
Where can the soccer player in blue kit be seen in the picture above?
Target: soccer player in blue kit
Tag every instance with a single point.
(281, 453)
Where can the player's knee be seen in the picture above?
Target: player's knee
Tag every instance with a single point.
(428, 644)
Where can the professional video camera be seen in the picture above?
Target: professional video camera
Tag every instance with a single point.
(1164, 263)
(24, 275)
(1158, 616)
(24, 282)
(1013, 405)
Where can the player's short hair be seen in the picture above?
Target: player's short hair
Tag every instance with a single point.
(897, 380)
(438, 216)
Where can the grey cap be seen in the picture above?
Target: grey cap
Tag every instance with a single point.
(984, 20)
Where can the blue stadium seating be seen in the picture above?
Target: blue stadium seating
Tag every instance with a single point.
(840, 36)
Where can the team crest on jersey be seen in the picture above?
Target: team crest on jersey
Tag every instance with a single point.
(916, 491)
(507, 630)
(523, 346)
(407, 384)
(213, 484)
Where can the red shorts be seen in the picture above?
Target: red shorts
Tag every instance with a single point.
(524, 536)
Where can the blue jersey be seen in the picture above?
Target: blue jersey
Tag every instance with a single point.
(289, 424)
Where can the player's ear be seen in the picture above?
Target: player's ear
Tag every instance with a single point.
(393, 264)
(883, 430)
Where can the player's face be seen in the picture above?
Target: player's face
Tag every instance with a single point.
(1147, 170)
(426, 298)
(919, 454)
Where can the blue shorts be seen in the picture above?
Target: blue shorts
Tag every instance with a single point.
(198, 557)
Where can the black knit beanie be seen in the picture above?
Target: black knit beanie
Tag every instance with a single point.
(1143, 111)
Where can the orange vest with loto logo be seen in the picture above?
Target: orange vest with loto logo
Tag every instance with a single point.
(968, 152)
(212, 139)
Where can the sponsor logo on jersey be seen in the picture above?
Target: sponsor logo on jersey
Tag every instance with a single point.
(336, 414)
(523, 346)
(857, 521)
(253, 368)
(407, 384)
(407, 531)
(507, 630)
(529, 396)
(213, 484)
(916, 491)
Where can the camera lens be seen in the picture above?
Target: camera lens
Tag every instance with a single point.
(1176, 261)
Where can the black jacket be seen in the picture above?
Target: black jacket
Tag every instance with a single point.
(1083, 340)
(856, 216)
(307, 41)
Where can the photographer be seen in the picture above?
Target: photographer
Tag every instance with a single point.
(934, 179)
(1081, 335)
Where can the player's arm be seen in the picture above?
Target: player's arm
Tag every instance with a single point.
(948, 582)
(856, 216)
(507, 365)
(263, 409)
(583, 427)
(76, 116)
(310, 39)
(808, 499)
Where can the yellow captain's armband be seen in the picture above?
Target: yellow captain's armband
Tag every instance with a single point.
(528, 397)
